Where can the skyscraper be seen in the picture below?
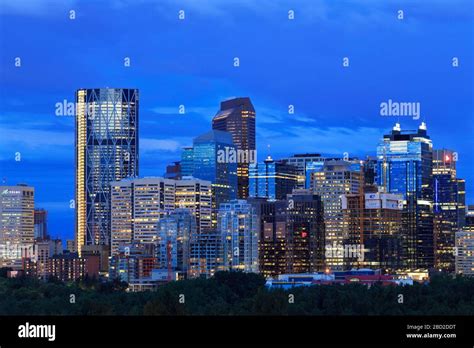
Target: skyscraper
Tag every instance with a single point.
(404, 166)
(136, 207)
(174, 240)
(41, 229)
(305, 232)
(237, 224)
(106, 151)
(196, 196)
(187, 161)
(212, 161)
(302, 162)
(237, 116)
(17, 205)
(373, 226)
(334, 179)
(272, 179)
(448, 207)
(272, 241)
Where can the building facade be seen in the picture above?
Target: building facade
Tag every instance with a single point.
(106, 151)
(237, 225)
(272, 179)
(404, 166)
(237, 116)
(17, 228)
(333, 180)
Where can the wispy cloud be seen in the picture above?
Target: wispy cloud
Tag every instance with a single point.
(153, 145)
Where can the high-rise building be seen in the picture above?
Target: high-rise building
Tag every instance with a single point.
(187, 161)
(305, 232)
(334, 179)
(17, 205)
(237, 224)
(372, 224)
(272, 179)
(41, 230)
(213, 161)
(106, 151)
(237, 116)
(196, 195)
(405, 166)
(136, 207)
(303, 162)
(448, 207)
(272, 241)
(174, 241)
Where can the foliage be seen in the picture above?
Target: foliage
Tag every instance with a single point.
(234, 293)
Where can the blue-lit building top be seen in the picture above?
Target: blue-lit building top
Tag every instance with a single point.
(272, 179)
(404, 163)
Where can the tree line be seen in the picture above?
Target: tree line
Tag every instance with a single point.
(233, 293)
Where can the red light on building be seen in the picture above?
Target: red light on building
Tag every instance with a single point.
(447, 158)
(304, 234)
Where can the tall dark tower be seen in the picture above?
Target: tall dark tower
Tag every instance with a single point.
(237, 116)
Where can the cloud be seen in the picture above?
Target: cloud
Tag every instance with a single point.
(325, 140)
(152, 145)
(34, 138)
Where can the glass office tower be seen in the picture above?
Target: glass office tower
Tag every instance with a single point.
(272, 179)
(208, 164)
(106, 151)
(404, 165)
(237, 116)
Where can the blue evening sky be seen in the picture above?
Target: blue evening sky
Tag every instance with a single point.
(190, 62)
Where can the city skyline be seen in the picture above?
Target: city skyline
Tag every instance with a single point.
(336, 117)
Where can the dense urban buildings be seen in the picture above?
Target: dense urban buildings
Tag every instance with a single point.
(106, 151)
(237, 116)
(373, 228)
(404, 166)
(303, 163)
(136, 207)
(334, 179)
(218, 208)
